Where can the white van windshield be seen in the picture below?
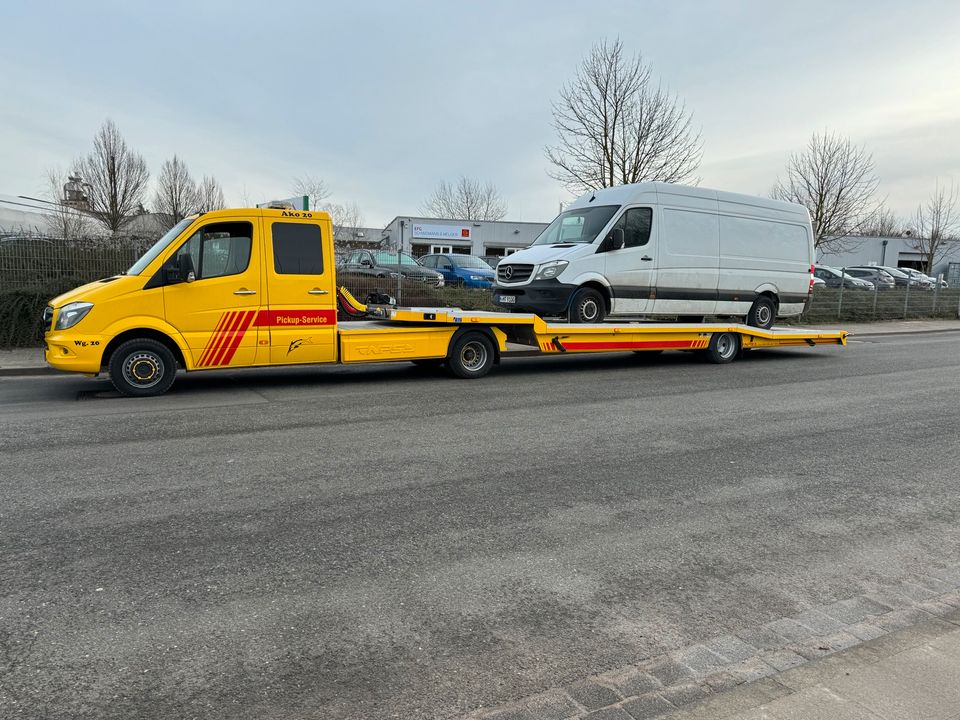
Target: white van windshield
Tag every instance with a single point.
(577, 226)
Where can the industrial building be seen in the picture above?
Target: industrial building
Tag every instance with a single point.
(485, 238)
(892, 251)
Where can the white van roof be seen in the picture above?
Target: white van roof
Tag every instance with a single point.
(640, 192)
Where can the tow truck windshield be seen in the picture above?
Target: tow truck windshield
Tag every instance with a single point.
(150, 255)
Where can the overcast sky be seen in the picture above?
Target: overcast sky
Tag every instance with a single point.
(384, 99)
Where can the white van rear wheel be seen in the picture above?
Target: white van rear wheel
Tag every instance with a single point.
(762, 313)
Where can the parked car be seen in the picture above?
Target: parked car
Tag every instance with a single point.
(925, 281)
(817, 282)
(834, 278)
(383, 264)
(881, 279)
(900, 278)
(461, 270)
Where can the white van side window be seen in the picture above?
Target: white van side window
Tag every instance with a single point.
(635, 224)
(753, 237)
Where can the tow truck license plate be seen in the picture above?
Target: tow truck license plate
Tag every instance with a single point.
(507, 299)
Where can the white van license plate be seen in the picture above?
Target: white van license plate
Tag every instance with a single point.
(507, 299)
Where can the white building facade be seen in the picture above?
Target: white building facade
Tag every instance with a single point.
(485, 238)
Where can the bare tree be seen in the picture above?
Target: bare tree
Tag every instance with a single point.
(117, 178)
(466, 199)
(210, 195)
(882, 223)
(936, 226)
(835, 180)
(177, 194)
(66, 216)
(346, 217)
(314, 188)
(615, 126)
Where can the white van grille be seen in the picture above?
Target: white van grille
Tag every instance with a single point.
(513, 272)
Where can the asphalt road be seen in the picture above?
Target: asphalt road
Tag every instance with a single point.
(378, 542)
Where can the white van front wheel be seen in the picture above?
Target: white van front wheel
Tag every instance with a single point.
(586, 306)
(762, 313)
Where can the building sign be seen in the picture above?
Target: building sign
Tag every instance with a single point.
(441, 232)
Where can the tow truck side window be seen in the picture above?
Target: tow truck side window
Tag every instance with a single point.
(219, 249)
(297, 249)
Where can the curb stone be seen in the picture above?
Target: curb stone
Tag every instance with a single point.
(759, 663)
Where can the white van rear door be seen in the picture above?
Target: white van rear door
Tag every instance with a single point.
(632, 270)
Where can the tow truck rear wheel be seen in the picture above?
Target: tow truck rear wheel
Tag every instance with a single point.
(471, 356)
(723, 348)
(142, 367)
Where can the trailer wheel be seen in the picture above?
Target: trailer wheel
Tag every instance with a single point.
(471, 356)
(723, 347)
(142, 367)
(762, 313)
(586, 306)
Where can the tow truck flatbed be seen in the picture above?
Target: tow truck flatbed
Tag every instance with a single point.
(419, 333)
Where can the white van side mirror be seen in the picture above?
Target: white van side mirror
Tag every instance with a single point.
(614, 241)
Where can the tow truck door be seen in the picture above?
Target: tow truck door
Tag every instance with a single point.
(216, 312)
(302, 313)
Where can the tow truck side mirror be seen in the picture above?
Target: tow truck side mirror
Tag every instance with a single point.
(179, 269)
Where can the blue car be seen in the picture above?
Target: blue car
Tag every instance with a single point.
(461, 270)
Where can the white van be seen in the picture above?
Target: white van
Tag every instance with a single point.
(656, 249)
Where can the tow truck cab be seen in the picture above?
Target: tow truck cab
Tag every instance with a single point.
(225, 288)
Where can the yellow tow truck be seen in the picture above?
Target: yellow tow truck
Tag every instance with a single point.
(257, 287)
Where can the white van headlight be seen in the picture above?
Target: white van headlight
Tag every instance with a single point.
(550, 270)
(72, 313)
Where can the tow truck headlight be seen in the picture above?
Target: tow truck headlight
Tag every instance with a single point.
(72, 313)
(550, 270)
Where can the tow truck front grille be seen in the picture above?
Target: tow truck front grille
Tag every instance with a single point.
(513, 272)
(47, 318)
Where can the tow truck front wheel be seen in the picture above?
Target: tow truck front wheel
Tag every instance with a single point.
(723, 347)
(471, 356)
(142, 367)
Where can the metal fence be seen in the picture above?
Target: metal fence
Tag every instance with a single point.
(33, 270)
(38, 262)
(902, 303)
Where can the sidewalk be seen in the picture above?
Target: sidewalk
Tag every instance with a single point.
(892, 679)
(892, 653)
(29, 361)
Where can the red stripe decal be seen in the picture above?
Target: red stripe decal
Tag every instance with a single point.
(210, 342)
(631, 345)
(295, 318)
(215, 348)
(228, 336)
(235, 343)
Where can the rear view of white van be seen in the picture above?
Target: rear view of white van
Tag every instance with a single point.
(654, 250)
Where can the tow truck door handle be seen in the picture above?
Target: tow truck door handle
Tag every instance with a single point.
(317, 291)
(244, 291)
